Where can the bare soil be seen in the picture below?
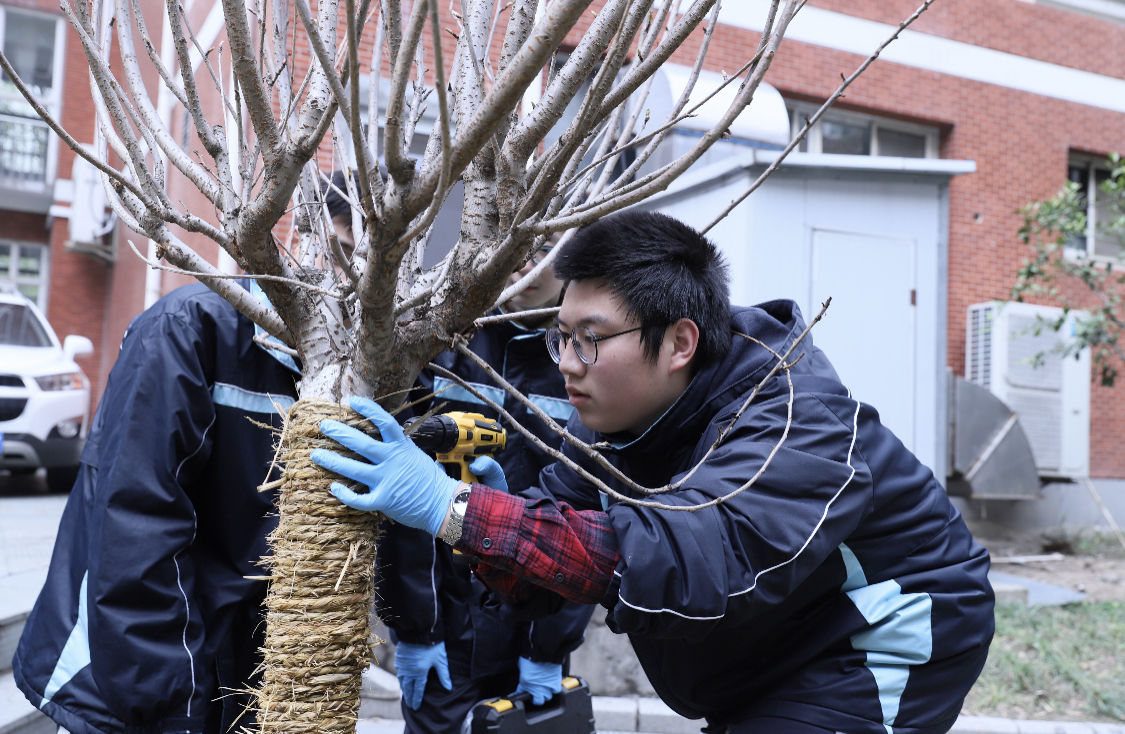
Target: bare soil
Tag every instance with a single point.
(1093, 567)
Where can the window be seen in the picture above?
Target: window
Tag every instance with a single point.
(32, 42)
(25, 266)
(851, 133)
(1089, 174)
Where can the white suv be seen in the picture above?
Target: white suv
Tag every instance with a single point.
(44, 395)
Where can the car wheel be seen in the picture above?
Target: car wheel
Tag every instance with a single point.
(61, 479)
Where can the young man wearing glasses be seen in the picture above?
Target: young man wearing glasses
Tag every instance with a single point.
(454, 644)
(821, 581)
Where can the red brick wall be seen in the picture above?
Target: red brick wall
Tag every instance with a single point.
(1020, 141)
(78, 285)
(24, 226)
(1017, 27)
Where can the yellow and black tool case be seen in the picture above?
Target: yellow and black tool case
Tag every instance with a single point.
(568, 712)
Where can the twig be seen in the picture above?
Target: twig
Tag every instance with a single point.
(394, 139)
(545, 262)
(263, 340)
(535, 313)
(445, 133)
(592, 453)
(234, 276)
(250, 82)
(56, 128)
(1105, 511)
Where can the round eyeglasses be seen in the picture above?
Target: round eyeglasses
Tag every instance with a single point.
(585, 342)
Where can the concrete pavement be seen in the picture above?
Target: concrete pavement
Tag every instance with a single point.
(29, 521)
(619, 715)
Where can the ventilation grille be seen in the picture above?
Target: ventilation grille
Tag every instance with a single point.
(978, 361)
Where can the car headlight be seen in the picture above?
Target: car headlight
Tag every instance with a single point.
(61, 381)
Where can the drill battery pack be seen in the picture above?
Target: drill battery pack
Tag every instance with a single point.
(569, 712)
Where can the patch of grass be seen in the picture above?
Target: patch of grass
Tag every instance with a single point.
(1059, 663)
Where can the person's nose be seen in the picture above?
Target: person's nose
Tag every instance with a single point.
(569, 362)
(525, 268)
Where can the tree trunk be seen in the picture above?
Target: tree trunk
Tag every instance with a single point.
(320, 589)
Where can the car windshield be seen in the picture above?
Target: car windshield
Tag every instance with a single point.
(19, 326)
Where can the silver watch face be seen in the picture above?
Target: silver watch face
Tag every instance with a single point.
(461, 502)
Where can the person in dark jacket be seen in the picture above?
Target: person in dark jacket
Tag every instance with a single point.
(799, 570)
(455, 643)
(150, 618)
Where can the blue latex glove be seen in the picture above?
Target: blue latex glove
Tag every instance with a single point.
(488, 472)
(406, 485)
(413, 664)
(541, 680)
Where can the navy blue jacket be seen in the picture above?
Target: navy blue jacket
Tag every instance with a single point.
(842, 588)
(147, 617)
(423, 594)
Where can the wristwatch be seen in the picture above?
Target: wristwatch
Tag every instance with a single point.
(455, 520)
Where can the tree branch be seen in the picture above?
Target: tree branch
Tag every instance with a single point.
(659, 180)
(399, 166)
(565, 86)
(506, 93)
(253, 87)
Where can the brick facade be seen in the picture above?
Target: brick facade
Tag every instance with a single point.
(1019, 140)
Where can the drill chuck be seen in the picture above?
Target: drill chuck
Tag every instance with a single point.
(436, 434)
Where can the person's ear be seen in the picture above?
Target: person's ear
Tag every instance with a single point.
(683, 336)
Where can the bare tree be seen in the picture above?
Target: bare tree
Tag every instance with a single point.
(277, 104)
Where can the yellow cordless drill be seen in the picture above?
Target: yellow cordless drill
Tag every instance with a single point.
(456, 439)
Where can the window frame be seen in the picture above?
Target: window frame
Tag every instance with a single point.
(814, 141)
(13, 276)
(1093, 164)
(52, 102)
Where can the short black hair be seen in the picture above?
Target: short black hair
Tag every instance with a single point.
(336, 203)
(661, 270)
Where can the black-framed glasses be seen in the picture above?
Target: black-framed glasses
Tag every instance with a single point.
(585, 342)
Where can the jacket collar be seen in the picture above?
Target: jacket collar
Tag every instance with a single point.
(264, 336)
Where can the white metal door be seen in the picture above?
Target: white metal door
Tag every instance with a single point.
(869, 331)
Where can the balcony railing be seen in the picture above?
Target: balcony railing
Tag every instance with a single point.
(24, 154)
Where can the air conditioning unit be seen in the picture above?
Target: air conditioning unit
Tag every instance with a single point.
(1051, 398)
